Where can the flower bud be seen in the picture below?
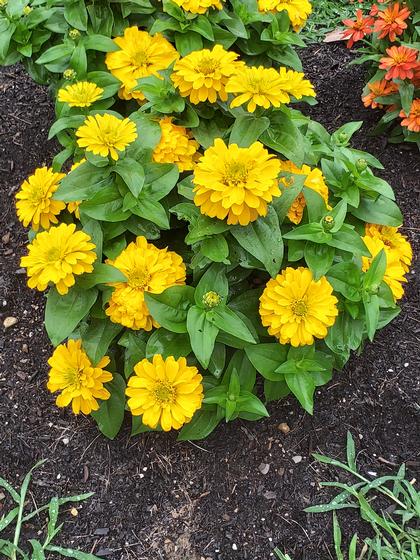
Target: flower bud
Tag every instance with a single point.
(361, 165)
(232, 397)
(27, 10)
(343, 137)
(69, 74)
(74, 34)
(328, 222)
(211, 299)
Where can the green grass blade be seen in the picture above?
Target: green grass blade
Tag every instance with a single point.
(70, 553)
(4, 484)
(351, 452)
(5, 521)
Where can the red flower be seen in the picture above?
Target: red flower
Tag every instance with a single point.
(391, 22)
(412, 121)
(401, 63)
(357, 29)
(381, 88)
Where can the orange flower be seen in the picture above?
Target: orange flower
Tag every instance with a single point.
(412, 121)
(374, 10)
(401, 63)
(391, 22)
(381, 88)
(357, 29)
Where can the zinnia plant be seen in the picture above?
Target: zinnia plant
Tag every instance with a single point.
(200, 238)
(390, 39)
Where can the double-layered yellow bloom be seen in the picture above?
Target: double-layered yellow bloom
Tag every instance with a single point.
(147, 269)
(296, 308)
(141, 55)
(165, 393)
(56, 256)
(297, 10)
(79, 382)
(203, 75)
(237, 183)
(314, 180)
(295, 83)
(394, 241)
(176, 146)
(35, 204)
(395, 271)
(80, 94)
(198, 6)
(257, 86)
(106, 134)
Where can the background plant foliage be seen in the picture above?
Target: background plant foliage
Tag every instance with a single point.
(243, 366)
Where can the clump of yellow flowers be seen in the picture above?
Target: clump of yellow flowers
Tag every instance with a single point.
(197, 230)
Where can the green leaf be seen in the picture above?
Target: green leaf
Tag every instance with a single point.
(266, 358)
(375, 274)
(228, 321)
(319, 258)
(161, 178)
(132, 173)
(107, 205)
(153, 211)
(82, 182)
(205, 227)
(188, 42)
(134, 353)
(245, 371)
(371, 305)
(73, 121)
(69, 553)
(349, 240)
(275, 390)
(100, 43)
(202, 334)
(213, 280)
(309, 232)
(351, 452)
(381, 210)
(315, 204)
(110, 415)
(55, 53)
(37, 550)
(101, 274)
(284, 137)
(248, 402)
(283, 203)
(75, 14)
(167, 344)
(247, 129)
(302, 385)
(64, 313)
(202, 424)
(170, 308)
(263, 240)
(346, 278)
(215, 248)
(98, 337)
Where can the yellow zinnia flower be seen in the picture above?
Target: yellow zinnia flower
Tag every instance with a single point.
(56, 256)
(148, 269)
(259, 87)
(165, 393)
(314, 180)
(176, 146)
(105, 134)
(141, 55)
(198, 6)
(297, 10)
(395, 271)
(296, 309)
(395, 242)
(236, 183)
(295, 83)
(35, 204)
(202, 75)
(80, 94)
(79, 382)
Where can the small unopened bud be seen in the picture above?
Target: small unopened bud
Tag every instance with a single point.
(343, 137)
(74, 34)
(361, 165)
(328, 222)
(27, 10)
(69, 74)
(211, 299)
(232, 397)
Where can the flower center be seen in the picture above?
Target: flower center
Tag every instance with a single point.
(299, 307)
(37, 194)
(236, 173)
(164, 393)
(138, 279)
(207, 65)
(75, 378)
(141, 58)
(54, 254)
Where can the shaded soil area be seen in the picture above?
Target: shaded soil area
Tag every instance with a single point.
(158, 499)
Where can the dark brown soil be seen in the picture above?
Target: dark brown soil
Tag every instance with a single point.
(159, 499)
